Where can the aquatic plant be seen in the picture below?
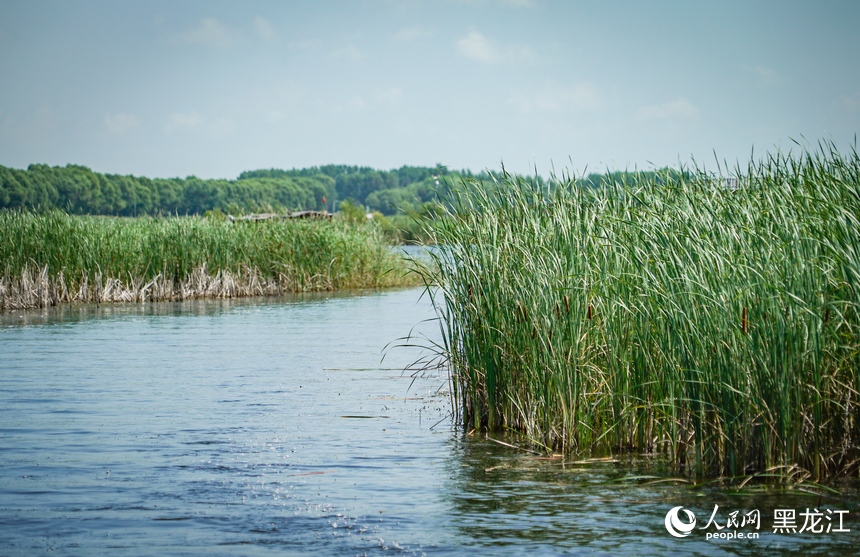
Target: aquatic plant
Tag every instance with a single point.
(53, 258)
(712, 319)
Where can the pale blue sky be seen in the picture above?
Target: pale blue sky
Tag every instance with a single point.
(174, 88)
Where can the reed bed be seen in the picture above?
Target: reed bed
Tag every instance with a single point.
(53, 258)
(664, 313)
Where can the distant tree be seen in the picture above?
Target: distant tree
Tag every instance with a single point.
(78, 189)
(391, 201)
(358, 185)
(352, 213)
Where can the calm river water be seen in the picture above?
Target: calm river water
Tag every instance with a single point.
(272, 427)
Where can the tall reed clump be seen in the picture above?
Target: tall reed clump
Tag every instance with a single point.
(52, 258)
(669, 314)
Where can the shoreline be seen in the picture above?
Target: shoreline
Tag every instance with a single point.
(38, 290)
(55, 258)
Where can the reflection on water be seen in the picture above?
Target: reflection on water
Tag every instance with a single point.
(83, 312)
(506, 502)
(273, 427)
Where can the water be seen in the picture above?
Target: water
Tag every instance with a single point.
(272, 428)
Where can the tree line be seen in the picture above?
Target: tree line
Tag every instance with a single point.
(77, 189)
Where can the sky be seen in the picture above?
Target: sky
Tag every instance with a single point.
(208, 88)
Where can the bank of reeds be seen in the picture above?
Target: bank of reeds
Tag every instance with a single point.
(673, 314)
(54, 258)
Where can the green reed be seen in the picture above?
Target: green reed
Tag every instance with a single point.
(663, 313)
(284, 255)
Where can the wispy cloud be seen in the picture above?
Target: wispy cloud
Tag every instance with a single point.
(556, 99)
(476, 46)
(348, 52)
(210, 33)
(412, 34)
(479, 48)
(264, 29)
(118, 123)
(674, 110)
(184, 121)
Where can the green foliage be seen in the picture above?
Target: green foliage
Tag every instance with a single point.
(215, 214)
(295, 254)
(79, 190)
(352, 213)
(663, 312)
(406, 229)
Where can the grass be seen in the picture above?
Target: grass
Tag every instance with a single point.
(55, 258)
(663, 313)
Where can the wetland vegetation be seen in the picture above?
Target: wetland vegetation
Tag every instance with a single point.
(53, 258)
(709, 319)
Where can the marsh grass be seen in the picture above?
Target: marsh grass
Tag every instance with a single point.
(716, 325)
(54, 258)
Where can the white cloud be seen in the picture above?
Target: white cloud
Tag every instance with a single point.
(479, 48)
(476, 46)
(677, 109)
(582, 96)
(349, 52)
(118, 123)
(211, 33)
(183, 121)
(264, 29)
(412, 33)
